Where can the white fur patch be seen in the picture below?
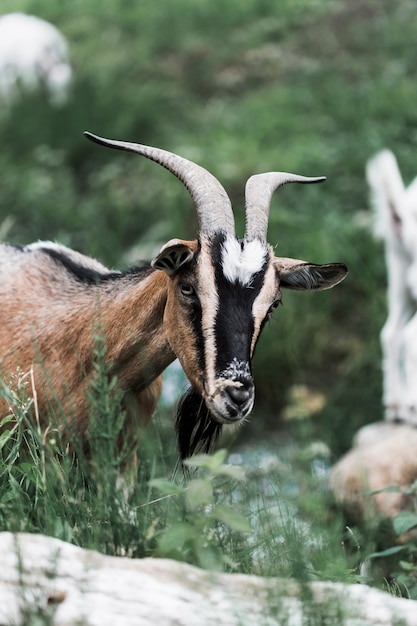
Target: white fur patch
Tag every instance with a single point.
(236, 369)
(240, 264)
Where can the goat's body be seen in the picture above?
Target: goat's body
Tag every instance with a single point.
(397, 224)
(204, 302)
(55, 302)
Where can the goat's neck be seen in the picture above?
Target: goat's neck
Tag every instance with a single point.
(131, 320)
(58, 340)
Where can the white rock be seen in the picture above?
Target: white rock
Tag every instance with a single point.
(47, 576)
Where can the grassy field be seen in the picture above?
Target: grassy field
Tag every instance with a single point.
(260, 509)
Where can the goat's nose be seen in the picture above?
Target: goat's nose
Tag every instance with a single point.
(239, 395)
(239, 399)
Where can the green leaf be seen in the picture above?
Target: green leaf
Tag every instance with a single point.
(4, 437)
(165, 486)
(6, 420)
(199, 493)
(404, 521)
(207, 461)
(230, 517)
(235, 472)
(175, 538)
(25, 468)
(387, 552)
(208, 558)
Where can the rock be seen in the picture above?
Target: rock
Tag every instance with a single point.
(64, 585)
(384, 455)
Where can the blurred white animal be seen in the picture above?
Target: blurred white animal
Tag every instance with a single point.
(396, 208)
(33, 53)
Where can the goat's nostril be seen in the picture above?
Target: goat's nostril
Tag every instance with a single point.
(239, 395)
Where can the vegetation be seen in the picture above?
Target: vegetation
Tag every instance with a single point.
(221, 516)
(240, 87)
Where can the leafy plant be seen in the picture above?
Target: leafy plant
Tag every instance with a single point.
(205, 521)
(401, 558)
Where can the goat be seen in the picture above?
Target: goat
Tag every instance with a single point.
(33, 54)
(204, 301)
(396, 223)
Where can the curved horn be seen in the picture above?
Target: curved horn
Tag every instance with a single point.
(258, 194)
(213, 205)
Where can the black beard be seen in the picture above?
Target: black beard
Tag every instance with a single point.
(197, 430)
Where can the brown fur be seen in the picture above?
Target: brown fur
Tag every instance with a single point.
(47, 325)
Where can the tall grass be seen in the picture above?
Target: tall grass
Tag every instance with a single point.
(62, 487)
(264, 512)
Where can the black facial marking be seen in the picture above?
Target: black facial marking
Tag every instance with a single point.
(234, 325)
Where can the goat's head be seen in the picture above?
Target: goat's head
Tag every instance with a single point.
(222, 289)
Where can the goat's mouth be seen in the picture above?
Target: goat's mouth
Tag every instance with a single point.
(231, 401)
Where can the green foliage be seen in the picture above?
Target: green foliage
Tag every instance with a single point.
(204, 524)
(270, 516)
(404, 521)
(400, 560)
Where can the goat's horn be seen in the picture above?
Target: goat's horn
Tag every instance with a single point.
(258, 194)
(213, 205)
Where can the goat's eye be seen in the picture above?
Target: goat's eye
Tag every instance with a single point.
(273, 306)
(187, 290)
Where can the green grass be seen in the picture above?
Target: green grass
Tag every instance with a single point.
(262, 512)
(261, 509)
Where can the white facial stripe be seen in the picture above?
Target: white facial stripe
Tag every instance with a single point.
(209, 301)
(241, 264)
(263, 301)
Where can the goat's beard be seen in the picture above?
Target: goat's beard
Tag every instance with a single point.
(197, 430)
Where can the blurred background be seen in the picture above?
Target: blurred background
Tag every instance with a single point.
(313, 87)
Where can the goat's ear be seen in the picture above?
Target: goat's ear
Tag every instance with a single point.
(173, 255)
(295, 274)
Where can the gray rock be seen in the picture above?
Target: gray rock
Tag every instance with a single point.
(47, 581)
(383, 455)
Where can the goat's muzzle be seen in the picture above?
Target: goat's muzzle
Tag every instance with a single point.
(232, 400)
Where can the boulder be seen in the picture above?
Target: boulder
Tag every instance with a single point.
(45, 580)
(384, 454)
